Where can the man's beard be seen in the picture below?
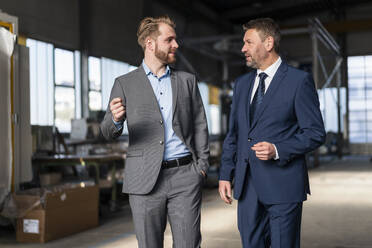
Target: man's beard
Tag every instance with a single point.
(163, 56)
(256, 62)
(253, 63)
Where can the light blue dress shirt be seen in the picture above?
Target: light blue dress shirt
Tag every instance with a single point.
(162, 87)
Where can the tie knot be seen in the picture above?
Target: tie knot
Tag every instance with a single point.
(262, 75)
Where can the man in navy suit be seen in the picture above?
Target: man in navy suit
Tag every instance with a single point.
(275, 120)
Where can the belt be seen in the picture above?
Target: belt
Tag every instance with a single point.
(177, 162)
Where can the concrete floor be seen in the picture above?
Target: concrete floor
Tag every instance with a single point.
(337, 215)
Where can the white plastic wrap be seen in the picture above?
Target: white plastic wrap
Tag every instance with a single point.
(6, 49)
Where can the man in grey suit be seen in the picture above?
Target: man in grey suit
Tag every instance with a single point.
(168, 151)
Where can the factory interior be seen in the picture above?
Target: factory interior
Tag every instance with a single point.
(61, 180)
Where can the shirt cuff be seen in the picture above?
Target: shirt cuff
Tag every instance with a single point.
(118, 125)
(276, 153)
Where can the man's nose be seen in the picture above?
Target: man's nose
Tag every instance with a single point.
(244, 49)
(175, 44)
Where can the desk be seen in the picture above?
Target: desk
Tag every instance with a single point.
(76, 145)
(86, 160)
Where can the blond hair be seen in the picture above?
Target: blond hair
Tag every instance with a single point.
(149, 26)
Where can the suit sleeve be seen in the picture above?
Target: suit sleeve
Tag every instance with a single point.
(229, 150)
(311, 133)
(108, 128)
(201, 134)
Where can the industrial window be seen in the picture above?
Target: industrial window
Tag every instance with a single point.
(95, 90)
(54, 85)
(64, 92)
(41, 82)
(328, 108)
(360, 99)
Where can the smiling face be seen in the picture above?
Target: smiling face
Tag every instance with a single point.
(255, 49)
(166, 44)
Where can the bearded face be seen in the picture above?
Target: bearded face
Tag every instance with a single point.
(165, 44)
(166, 55)
(253, 49)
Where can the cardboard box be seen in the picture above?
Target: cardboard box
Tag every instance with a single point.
(59, 214)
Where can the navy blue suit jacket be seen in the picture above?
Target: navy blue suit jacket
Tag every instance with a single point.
(288, 117)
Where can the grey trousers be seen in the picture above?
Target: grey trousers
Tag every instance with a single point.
(177, 197)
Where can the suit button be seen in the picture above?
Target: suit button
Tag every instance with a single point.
(161, 122)
(161, 142)
(246, 160)
(249, 139)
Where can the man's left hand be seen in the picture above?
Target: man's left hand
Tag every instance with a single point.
(264, 150)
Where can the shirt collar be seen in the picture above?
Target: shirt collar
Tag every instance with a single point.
(271, 70)
(148, 71)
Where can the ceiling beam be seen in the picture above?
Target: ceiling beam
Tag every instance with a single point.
(285, 10)
(199, 10)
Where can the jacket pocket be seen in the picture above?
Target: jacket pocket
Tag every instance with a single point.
(135, 153)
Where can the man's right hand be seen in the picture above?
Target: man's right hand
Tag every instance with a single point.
(117, 109)
(225, 191)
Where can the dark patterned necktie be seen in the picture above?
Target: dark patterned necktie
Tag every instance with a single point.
(258, 96)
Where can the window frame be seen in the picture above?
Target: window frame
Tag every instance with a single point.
(63, 86)
(100, 83)
(363, 85)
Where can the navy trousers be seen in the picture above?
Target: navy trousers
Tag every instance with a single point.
(267, 225)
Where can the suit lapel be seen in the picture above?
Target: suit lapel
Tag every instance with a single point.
(275, 82)
(145, 84)
(174, 90)
(250, 84)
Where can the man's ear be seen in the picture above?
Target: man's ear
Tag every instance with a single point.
(150, 43)
(269, 43)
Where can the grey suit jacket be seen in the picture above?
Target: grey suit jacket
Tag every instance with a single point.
(146, 129)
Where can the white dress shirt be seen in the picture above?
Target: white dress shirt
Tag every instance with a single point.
(270, 71)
